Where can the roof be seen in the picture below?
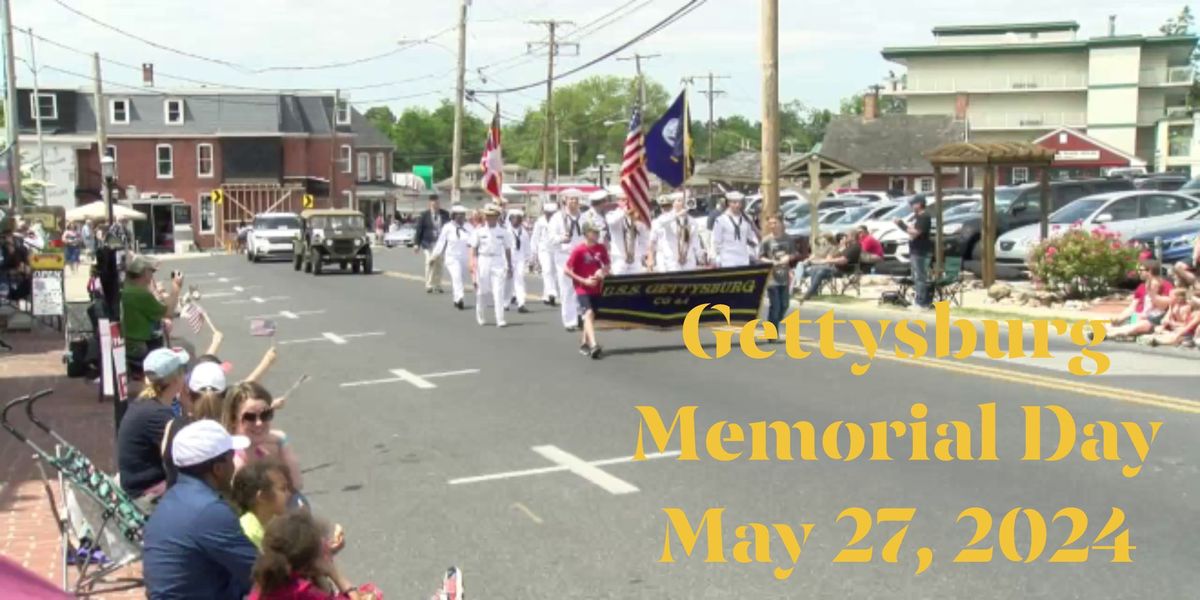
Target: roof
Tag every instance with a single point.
(891, 144)
(1006, 28)
(899, 53)
(997, 153)
(367, 134)
(330, 212)
(745, 167)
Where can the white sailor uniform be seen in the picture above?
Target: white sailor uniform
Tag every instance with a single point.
(629, 244)
(492, 245)
(734, 240)
(676, 243)
(541, 243)
(453, 245)
(520, 255)
(566, 232)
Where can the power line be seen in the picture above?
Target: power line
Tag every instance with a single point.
(675, 16)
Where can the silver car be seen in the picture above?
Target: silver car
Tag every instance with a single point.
(1124, 213)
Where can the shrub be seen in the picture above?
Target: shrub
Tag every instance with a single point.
(1081, 263)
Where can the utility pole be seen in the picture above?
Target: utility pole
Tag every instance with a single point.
(571, 157)
(770, 95)
(456, 153)
(711, 94)
(552, 46)
(637, 61)
(10, 77)
(38, 122)
(333, 148)
(102, 138)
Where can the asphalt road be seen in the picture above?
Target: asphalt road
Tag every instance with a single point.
(397, 459)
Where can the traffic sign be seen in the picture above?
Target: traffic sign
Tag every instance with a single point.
(218, 196)
(308, 201)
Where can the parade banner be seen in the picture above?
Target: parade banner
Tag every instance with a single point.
(662, 300)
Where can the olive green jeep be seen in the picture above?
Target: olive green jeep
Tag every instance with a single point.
(332, 236)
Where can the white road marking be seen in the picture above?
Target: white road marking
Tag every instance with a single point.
(303, 341)
(211, 274)
(367, 334)
(257, 299)
(557, 468)
(335, 338)
(339, 339)
(419, 382)
(586, 470)
(371, 382)
(223, 279)
(528, 513)
(449, 373)
(287, 314)
(238, 288)
(216, 294)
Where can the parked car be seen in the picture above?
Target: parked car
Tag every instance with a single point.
(1126, 213)
(404, 235)
(1166, 182)
(1178, 240)
(1191, 188)
(870, 196)
(271, 234)
(1017, 206)
(845, 219)
(895, 241)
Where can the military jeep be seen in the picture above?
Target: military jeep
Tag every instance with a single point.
(332, 236)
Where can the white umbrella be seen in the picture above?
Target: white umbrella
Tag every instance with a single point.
(97, 211)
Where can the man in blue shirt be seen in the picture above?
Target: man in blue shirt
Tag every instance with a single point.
(194, 547)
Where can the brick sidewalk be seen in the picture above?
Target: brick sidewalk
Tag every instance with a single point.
(28, 533)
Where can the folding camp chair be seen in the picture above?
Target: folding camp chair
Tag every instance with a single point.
(96, 515)
(852, 279)
(949, 285)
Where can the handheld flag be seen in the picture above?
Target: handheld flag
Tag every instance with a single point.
(194, 315)
(262, 327)
(492, 163)
(669, 144)
(635, 181)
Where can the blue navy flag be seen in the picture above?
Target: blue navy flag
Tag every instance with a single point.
(669, 144)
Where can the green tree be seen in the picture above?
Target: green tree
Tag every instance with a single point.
(381, 116)
(425, 137)
(888, 105)
(1185, 24)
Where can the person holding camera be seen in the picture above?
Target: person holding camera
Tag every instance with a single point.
(920, 250)
(142, 323)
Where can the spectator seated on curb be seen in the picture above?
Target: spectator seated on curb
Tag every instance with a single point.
(248, 412)
(844, 262)
(202, 398)
(872, 250)
(194, 546)
(143, 427)
(1179, 325)
(15, 270)
(1148, 307)
(823, 248)
(1187, 274)
(296, 564)
(261, 490)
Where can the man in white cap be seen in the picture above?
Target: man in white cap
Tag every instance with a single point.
(596, 214)
(194, 545)
(520, 256)
(491, 258)
(630, 240)
(452, 246)
(674, 238)
(541, 243)
(734, 239)
(566, 232)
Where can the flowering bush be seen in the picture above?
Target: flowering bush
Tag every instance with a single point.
(1080, 263)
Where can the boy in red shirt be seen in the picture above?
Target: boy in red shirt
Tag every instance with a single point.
(587, 266)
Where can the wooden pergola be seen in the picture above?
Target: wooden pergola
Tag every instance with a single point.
(988, 156)
(823, 175)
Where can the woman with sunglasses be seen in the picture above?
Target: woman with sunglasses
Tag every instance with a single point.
(248, 412)
(1148, 306)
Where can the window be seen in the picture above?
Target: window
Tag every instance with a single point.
(111, 151)
(898, 184)
(44, 106)
(364, 166)
(1122, 210)
(346, 161)
(381, 166)
(204, 160)
(1020, 175)
(1065, 194)
(343, 112)
(164, 157)
(173, 111)
(118, 111)
(207, 217)
(1160, 205)
(348, 199)
(925, 184)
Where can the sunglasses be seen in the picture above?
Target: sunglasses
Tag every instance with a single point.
(260, 417)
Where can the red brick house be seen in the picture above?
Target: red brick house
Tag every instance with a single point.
(266, 152)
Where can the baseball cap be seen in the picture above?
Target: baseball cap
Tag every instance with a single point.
(202, 441)
(140, 264)
(164, 362)
(918, 199)
(207, 375)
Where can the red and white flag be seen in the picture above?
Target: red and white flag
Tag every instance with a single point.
(635, 179)
(194, 315)
(492, 163)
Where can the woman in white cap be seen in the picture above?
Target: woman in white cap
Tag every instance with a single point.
(452, 246)
(544, 245)
(141, 432)
(491, 258)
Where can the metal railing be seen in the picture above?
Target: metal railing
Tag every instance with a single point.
(1150, 116)
(1026, 120)
(1167, 76)
(1000, 82)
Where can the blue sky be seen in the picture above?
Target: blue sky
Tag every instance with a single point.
(829, 48)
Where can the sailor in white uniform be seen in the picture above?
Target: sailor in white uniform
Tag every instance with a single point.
(734, 238)
(543, 246)
(520, 256)
(596, 214)
(674, 238)
(452, 246)
(630, 240)
(566, 232)
(491, 253)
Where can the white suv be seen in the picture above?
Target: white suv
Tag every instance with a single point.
(272, 234)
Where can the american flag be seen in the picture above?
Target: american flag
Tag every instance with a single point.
(194, 315)
(262, 327)
(492, 163)
(635, 180)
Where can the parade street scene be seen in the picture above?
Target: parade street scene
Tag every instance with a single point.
(619, 299)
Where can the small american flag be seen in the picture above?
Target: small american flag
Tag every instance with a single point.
(194, 315)
(262, 327)
(492, 163)
(635, 180)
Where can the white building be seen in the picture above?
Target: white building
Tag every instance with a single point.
(1018, 82)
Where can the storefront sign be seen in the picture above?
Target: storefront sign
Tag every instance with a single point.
(1077, 155)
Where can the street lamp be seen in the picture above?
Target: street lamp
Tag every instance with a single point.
(600, 161)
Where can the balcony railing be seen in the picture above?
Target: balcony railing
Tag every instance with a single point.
(1150, 116)
(1000, 82)
(1167, 76)
(1026, 120)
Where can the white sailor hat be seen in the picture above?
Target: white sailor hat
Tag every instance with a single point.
(516, 212)
(549, 206)
(458, 209)
(665, 199)
(598, 196)
(491, 210)
(571, 193)
(735, 196)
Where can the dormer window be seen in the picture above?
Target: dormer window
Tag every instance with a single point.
(173, 111)
(343, 112)
(118, 111)
(45, 106)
